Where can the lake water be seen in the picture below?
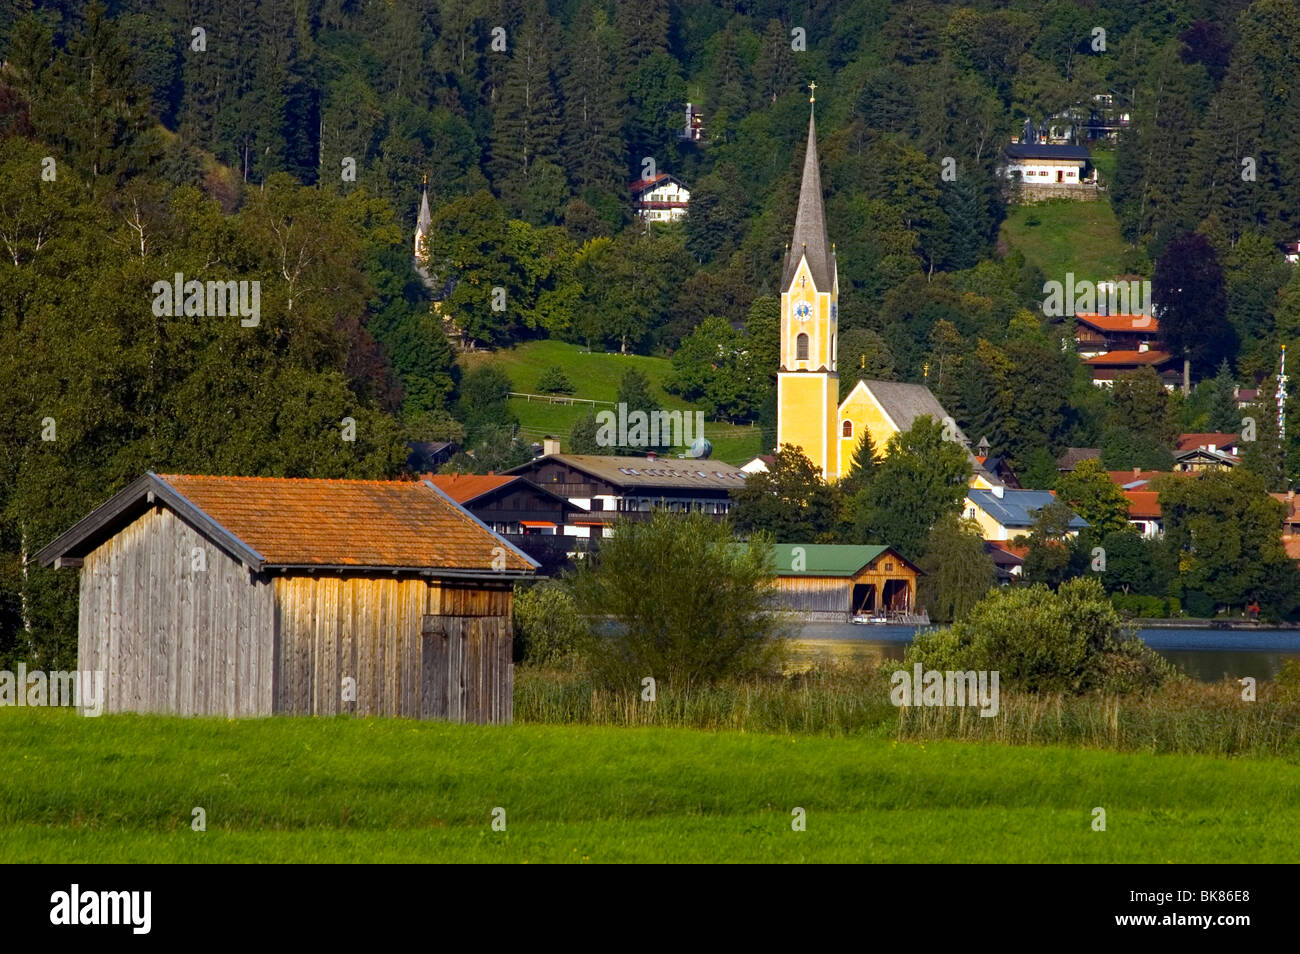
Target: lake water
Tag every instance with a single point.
(1204, 654)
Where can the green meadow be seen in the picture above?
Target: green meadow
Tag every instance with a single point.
(1062, 235)
(124, 789)
(595, 376)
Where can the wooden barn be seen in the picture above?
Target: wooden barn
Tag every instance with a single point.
(248, 596)
(833, 583)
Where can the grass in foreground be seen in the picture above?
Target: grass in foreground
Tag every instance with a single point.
(122, 788)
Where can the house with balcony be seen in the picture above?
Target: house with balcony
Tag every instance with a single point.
(609, 487)
(661, 198)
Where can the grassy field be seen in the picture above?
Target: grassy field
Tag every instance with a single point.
(596, 377)
(123, 789)
(1062, 236)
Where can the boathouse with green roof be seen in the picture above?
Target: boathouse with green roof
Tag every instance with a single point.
(834, 583)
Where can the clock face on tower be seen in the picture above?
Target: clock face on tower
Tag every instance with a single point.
(802, 311)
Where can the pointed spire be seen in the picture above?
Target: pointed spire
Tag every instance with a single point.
(425, 220)
(810, 238)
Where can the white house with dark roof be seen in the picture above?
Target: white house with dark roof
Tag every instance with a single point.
(1046, 171)
(661, 198)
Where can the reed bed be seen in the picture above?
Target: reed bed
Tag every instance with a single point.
(844, 698)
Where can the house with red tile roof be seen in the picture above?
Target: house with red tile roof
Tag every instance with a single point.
(1113, 344)
(1097, 334)
(660, 198)
(1212, 441)
(253, 596)
(1144, 512)
(1107, 367)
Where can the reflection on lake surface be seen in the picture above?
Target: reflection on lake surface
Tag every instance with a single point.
(1204, 654)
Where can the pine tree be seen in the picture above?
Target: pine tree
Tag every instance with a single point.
(583, 438)
(634, 393)
(97, 112)
(962, 203)
(1224, 416)
(729, 86)
(594, 152)
(527, 125)
(1188, 287)
(775, 73)
(643, 29)
(864, 466)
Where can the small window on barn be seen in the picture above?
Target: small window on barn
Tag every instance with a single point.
(801, 348)
(888, 567)
(847, 429)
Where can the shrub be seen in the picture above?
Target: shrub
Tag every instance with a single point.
(1145, 607)
(1288, 677)
(548, 629)
(1072, 640)
(1198, 604)
(554, 381)
(684, 602)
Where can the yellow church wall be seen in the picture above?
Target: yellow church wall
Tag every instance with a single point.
(862, 410)
(806, 420)
(819, 327)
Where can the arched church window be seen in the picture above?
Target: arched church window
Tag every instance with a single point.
(847, 429)
(801, 348)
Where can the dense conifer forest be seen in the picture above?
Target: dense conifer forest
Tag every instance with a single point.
(289, 143)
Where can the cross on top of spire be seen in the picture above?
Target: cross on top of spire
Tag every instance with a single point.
(812, 92)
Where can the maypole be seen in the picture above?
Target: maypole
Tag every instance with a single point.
(1281, 399)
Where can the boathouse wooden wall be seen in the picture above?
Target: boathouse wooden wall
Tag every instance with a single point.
(224, 640)
(815, 594)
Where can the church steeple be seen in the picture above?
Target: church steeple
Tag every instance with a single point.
(422, 225)
(423, 222)
(810, 236)
(807, 382)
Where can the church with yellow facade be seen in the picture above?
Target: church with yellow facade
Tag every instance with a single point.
(810, 414)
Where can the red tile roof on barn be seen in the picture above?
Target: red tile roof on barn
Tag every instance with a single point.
(364, 523)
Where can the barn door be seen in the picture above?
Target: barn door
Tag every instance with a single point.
(466, 669)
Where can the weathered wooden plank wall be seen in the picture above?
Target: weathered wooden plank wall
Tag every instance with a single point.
(216, 640)
(375, 630)
(815, 593)
(171, 636)
(467, 671)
